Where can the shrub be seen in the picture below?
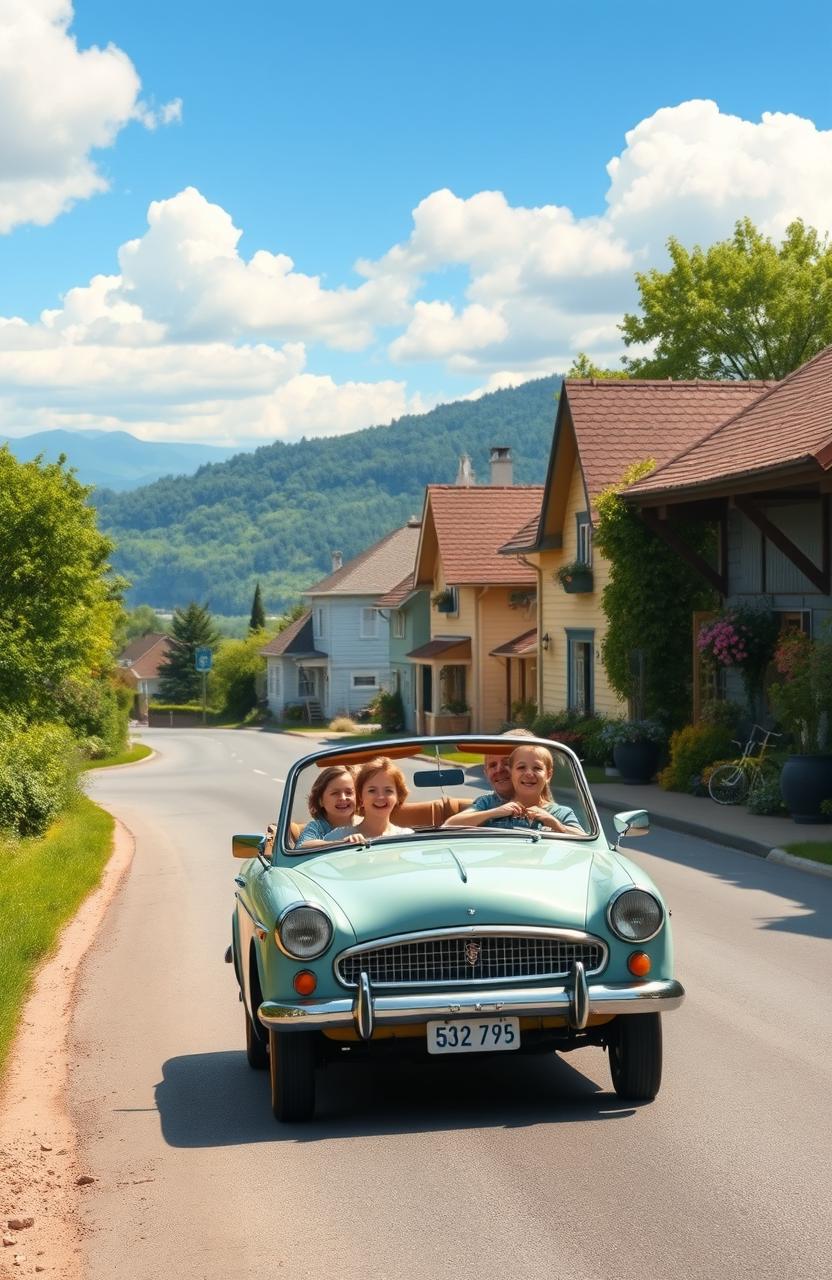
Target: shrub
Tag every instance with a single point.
(766, 798)
(568, 738)
(726, 715)
(388, 711)
(523, 713)
(294, 713)
(342, 724)
(38, 776)
(545, 724)
(96, 709)
(692, 749)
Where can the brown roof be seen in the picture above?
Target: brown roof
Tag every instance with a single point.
(519, 647)
(791, 424)
(294, 641)
(456, 648)
(525, 539)
(401, 591)
(143, 656)
(376, 570)
(471, 524)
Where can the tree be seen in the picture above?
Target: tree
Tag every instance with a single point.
(583, 367)
(257, 621)
(192, 628)
(58, 600)
(238, 666)
(135, 623)
(741, 309)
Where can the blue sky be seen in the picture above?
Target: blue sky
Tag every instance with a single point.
(315, 131)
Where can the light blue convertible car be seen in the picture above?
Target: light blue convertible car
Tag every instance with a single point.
(364, 925)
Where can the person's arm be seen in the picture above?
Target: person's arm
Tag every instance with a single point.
(480, 817)
(563, 820)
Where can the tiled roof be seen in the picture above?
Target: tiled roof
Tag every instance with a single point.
(456, 648)
(472, 523)
(144, 654)
(520, 647)
(376, 570)
(525, 539)
(618, 422)
(294, 641)
(401, 591)
(789, 425)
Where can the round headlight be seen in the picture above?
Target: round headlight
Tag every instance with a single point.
(635, 915)
(303, 933)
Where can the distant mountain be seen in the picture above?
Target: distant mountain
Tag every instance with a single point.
(276, 515)
(115, 459)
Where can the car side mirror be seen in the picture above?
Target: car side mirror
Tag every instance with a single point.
(634, 822)
(247, 846)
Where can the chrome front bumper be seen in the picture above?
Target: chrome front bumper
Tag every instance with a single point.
(576, 999)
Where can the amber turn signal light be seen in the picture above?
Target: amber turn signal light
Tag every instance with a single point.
(639, 964)
(305, 982)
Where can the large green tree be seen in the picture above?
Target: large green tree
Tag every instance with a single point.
(191, 628)
(743, 308)
(257, 621)
(59, 602)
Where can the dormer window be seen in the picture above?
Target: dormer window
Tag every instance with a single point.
(584, 538)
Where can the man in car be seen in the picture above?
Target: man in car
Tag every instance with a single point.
(497, 774)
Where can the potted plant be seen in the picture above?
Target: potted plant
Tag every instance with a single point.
(444, 601)
(454, 717)
(802, 701)
(575, 577)
(636, 747)
(743, 638)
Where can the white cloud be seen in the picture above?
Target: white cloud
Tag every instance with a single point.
(436, 331)
(58, 103)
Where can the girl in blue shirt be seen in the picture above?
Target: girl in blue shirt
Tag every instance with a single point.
(331, 803)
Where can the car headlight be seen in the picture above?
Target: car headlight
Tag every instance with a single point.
(303, 932)
(635, 915)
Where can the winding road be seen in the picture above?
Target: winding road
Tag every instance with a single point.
(508, 1167)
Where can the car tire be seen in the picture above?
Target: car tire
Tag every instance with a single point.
(292, 1074)
(257, 1053)
(635, 1049)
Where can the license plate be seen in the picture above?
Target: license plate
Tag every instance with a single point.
(477, 1035)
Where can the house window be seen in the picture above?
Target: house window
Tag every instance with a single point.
(369, 624)
(580, 673)
(306, 683)
(795, 620)
(584, 538)
(447, 600)
(398, 624)
(318, 624)
(274, 680)
(365, 680)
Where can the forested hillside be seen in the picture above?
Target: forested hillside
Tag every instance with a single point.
(275, 515)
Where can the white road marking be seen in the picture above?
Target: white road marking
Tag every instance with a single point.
(261, 771)
(280, 780)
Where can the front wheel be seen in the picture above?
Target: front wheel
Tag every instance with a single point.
(257, 1054)
(728, 784)
(292, 1074)
(635, 1050)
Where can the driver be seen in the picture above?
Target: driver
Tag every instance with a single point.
(486, 806)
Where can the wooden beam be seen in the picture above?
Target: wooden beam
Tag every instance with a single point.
(818, 576)
(665, 531)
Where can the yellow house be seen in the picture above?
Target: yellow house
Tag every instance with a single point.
(482, 651)
(602, 427)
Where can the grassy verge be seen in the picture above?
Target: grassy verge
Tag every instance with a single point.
(137, 751)
(42, 883)
(818, 851)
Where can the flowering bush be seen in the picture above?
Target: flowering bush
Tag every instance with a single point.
(802, 700)
(617, 731)
(743, 638)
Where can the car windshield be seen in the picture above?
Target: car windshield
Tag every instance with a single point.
(411, 787)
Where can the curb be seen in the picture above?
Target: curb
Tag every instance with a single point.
(744, 843)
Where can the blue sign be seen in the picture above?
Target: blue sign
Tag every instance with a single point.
(203, 658)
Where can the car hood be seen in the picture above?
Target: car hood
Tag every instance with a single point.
(388, 889)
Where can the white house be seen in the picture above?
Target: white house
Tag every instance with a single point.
(335, 658)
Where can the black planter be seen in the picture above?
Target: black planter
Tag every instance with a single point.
(636, 761)
(806, 781)
(578, 584)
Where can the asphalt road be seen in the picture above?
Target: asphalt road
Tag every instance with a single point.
(509, 1167)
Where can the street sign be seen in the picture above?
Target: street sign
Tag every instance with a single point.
(203, 658)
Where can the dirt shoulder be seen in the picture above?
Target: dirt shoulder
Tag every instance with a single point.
(41, 1181)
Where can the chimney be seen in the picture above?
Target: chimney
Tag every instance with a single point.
(501, 465)
(337, 561)
(465, 472)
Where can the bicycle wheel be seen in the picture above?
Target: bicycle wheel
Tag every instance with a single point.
(728, 784)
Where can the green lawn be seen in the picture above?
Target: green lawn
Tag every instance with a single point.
(818, 851)
(136, 751)
(42, 883)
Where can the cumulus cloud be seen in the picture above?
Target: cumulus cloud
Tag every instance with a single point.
(58, 103)
(437, 330)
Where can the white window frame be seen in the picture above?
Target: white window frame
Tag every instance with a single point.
(318, 623)
(397, 625)
(364, 677)
(366, 632)
(584, 539)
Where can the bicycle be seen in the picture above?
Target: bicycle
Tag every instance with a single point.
(732, 783)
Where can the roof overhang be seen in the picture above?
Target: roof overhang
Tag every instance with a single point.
(449, 649)
(803, 471)
(522, 646)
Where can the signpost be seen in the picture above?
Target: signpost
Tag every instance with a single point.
(203, 661)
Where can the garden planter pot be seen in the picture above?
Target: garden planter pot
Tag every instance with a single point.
(636, 761)
(806, 781)
(578, 584)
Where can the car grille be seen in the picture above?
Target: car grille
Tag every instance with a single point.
(466, 959)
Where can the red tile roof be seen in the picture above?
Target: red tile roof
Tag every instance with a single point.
(471, 525)
(143, 655)
(401, 591)
(620, 422)
(791, 424)
(520, 647)
(376, 570)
